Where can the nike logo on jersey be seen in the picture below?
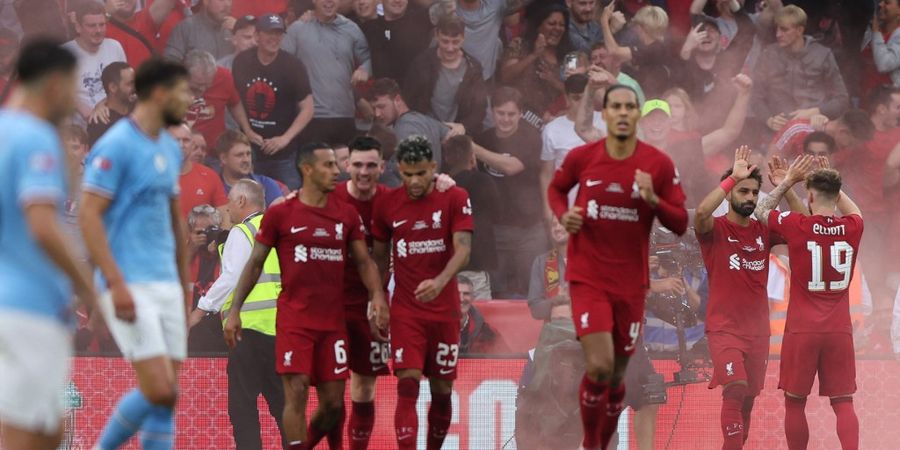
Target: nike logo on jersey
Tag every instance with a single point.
(592, 183)
(730, 239)
(338, 371)
(295, 230)
(446, 371)
(399, 223)
(378, 367)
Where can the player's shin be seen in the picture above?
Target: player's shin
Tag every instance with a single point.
(592, 402)
(746, 414)
(732, 420)
(615, 404)
(158, 430)
(362, 420)
(847, 422)
(406, 422)
(796, 428)
(126, 420)
(439, 416)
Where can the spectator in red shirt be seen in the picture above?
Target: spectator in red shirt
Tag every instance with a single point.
(850, 130)
(199, 184)
(214, 92)
(137, 30)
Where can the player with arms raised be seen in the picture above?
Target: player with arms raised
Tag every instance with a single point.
(818, 334)
(624, 184)
(313, 234)
(736, 253)
(430, 233)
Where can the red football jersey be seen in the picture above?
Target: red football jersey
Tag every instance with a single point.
(207, 113)
(201, 186)
(737, 264)
(610, 251)
(356, 296)
(135, 50)
(823, 254)
(312, 245)
(421, 236)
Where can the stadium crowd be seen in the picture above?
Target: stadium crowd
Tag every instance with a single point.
(502, 90)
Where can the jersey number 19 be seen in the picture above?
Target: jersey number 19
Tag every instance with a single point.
(841, 261)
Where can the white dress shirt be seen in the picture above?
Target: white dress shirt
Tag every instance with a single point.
(234, 257)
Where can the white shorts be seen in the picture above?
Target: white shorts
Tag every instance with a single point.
(160, 326)
(35, 360)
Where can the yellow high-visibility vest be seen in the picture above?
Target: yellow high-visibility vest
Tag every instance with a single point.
(258, 311)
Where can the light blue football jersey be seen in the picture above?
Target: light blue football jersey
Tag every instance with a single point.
(32, 168)
(139, 175)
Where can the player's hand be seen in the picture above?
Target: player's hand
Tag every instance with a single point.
(443, 182)
(123, 303)
(778, 167)
(428, 290)
(645, 187)
(572, 220)
(232, 329)
(742, 169)
(360, 76)
(379, 318)
(274, 145)
(100, 114)
(800, 168)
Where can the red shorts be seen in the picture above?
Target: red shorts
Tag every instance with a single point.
(831, 355)
(597, 311)
(738, 358)
(429, 346)
(367, 356)
(322, 355)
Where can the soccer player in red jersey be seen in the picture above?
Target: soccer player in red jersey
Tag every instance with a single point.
(313, 234)
(818, 335)
(368, 356)
(624, 184)
(735, 250)
(430, 235)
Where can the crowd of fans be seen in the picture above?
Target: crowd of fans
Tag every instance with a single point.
(498, 87)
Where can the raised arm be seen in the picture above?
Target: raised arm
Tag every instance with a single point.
(741, 170)
(778, 167)
(718, 140)
(246, 282)
(795, 174)
(617, 51)
(598, 78)
(697, 7)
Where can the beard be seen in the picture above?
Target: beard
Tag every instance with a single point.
(745, 209)
(172, 119)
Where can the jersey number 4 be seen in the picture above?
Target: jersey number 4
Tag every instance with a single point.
(841, 261)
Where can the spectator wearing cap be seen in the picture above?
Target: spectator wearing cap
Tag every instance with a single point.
(559, 137)
(584, 31)
(886, 50)
(208, 30)
(137, 30)
(460, 164)
(395, 38)
(337, 58)
(734, 25)
(214, 94)
(601, 57)
(273, 87)
(243, 37)
(796, 78)
(94, 52)
(648, 60)
(533, 62)
(445, 82)
(236, 159)
(118, 83)
(510, 153)
(9, 48)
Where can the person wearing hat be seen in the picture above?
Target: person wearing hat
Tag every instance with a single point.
(276, 93)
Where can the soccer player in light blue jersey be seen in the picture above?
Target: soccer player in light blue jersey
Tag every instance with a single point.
(133, 231)
(38, 268)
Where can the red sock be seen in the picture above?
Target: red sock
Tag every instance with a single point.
(746, 410)
(336, 434)
(593, 400)
(796, 430)
(313, 435)
(297, 445)
(732, 420)
(847, 423)
(406, 421)
(614, 407)
(439, 416)
(362, 420)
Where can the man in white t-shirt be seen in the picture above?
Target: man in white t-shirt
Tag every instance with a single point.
(94, 52)
(559, 136)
